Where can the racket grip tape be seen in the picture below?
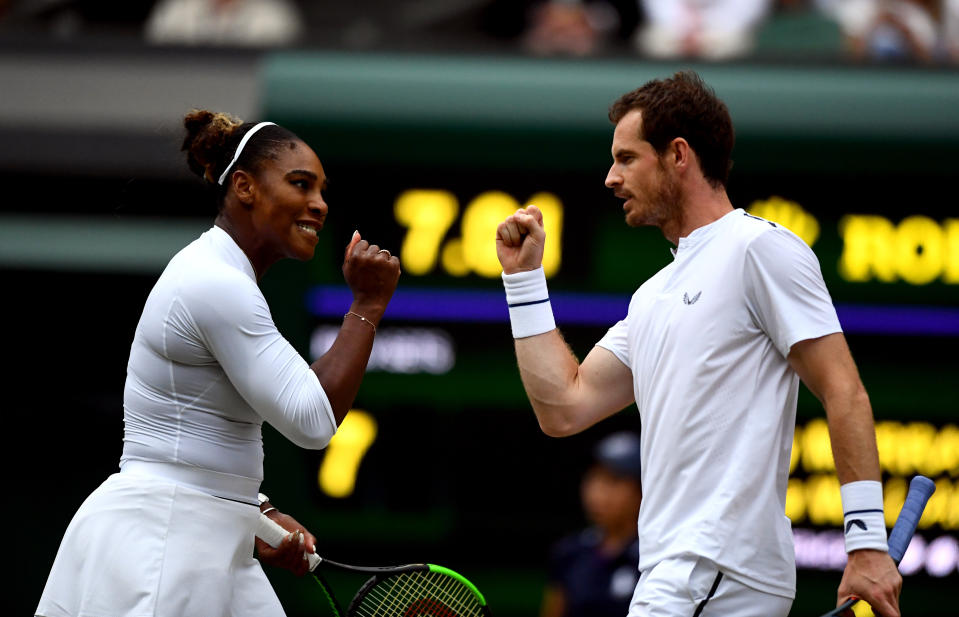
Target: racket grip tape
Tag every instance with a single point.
(270, 532)
(921, 489)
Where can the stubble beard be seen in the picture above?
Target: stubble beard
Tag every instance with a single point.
(663, 210)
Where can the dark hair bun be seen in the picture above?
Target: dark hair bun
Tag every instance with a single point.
(207, 135)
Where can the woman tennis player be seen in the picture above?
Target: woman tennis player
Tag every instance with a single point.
(172, 534)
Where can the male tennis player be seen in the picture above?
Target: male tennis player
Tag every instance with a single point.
(711, 349)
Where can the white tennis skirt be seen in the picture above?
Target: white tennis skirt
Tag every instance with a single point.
(141, 546)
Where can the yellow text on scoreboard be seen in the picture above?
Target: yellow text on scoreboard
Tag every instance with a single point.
(905, 449)
(917, 250)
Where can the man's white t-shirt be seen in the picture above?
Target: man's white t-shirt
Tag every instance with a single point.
(706, 339)
(208, 366)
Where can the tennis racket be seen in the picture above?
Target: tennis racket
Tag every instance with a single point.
(411, 590)
(920, 489)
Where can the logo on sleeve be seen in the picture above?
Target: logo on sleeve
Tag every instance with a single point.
(688, 300)
(858, 523)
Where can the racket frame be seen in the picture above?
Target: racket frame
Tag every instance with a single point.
(273, 534)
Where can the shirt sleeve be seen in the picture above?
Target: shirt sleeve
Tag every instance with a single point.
(785, 291)
(233, 319)
(616, 341)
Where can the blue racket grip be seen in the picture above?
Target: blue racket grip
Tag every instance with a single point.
(921, 489)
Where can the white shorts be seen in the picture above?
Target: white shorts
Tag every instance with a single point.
(691, 586)
(141, 546)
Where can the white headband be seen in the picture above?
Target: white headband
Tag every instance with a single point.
(239, 149)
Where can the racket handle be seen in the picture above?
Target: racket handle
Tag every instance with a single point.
(842, 608)
(920, 489)
(270, 532)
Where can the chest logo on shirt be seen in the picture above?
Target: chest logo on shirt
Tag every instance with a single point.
(688, 300)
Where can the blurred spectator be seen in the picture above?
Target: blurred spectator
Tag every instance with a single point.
(888, 30)
(571, 27)
(707, 29)
(593, 573)
(259, 23)
(950, 29)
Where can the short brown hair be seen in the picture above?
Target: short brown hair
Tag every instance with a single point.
(683, 106)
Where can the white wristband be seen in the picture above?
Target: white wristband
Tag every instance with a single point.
(863, 520)
(530, 312)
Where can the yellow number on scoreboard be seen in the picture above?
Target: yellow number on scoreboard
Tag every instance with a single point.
(428, 215)
(337, 473)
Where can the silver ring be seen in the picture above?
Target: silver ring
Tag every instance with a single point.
(383, 251)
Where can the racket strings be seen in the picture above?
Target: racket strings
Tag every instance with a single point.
(419, 593)
(423, 605)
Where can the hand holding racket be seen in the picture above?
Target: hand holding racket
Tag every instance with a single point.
(393, 591)
(920, 489)
(289, 554)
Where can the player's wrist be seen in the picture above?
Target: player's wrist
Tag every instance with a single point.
(370, 309)
(527, 297)
(519, 268)
(864, 523)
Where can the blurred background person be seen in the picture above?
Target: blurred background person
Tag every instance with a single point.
(578, 27)
(888, 30)
(258, 23)
(593, 573)
(950, 29)
(542, 27)
(568, 27)
(707, 29)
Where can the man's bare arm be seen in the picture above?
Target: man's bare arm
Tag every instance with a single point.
(566, 396)
(569, 397)
(826, 367)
